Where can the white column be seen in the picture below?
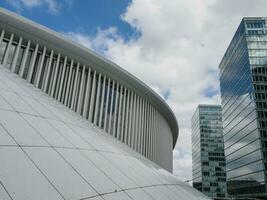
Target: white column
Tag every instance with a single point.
(79, 110)
(123, 116)
(75, 87)
(115, 109)
(119, 114)
(62, 79)
(92, 99)
(111, 106)
(68, 84)
(45, 74)
(48, 71)
(102, 101)
(126, 129)
(157, 132)
(97, 99)
(39, 68)
(7, 49)
(2, 36)
(31, 67)
(140, 126)
(14, 62)
(130, 120)
(133, 123)
(55, 76)
(106, 106)
(145, 130)
(24, 59)
(145, 126)
(64, 87)
(150, 132)
(137, 130)
(60, 67)
(87, 93)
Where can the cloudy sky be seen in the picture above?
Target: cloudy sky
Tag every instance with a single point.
(174, 46)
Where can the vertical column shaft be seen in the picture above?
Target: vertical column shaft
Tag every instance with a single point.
(92, 101)
(31, 67)
(133, 121)
(130, 120)
(126, 130)
(48, 71)
(111, 106)
(75, 87)
(14, 62)
(7, 50)
(24, 59)
(119, 113)
(55, 76)
(2, 36)
(97, 99)
(115, 109)
(106, 106)
(39, 68)
(102, 101)
(62, 79)
(87, 93)
(68, 84)
(122, 130)
(79, 109)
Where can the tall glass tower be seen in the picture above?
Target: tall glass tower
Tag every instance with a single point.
(208, 151)
(243, 81)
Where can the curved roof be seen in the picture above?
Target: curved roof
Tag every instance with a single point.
(53, 153)
(51, 39)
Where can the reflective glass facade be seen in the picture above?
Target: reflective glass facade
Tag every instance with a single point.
(243, 81)
(208, 151)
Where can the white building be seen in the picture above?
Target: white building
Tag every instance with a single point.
(74, 125)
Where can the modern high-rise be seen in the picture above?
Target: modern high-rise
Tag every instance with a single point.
(243, 82)
(208, 157)
(76, 126)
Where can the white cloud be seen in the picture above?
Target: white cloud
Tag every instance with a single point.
(52, 6)
(180, 46)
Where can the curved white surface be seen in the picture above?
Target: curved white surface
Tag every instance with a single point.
(92, 86)
(49, 152)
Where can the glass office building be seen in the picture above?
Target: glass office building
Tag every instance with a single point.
(243, 81)
(208, 157)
